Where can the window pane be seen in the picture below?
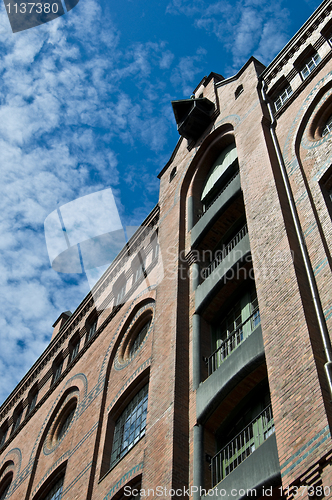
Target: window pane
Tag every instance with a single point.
(33, 402)
(92, 330)
(66, 423)
(130, 426)
(328, 126)
(58, 371)
(56, 492)
(140, 337)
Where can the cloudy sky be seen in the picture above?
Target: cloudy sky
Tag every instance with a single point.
(85, 106)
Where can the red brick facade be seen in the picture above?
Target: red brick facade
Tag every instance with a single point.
(218, 363)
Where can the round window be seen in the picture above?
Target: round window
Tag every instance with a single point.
(135, 336)
(138, 340)
(65, 420)
(61, 422)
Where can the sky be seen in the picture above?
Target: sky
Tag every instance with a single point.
(85, 107)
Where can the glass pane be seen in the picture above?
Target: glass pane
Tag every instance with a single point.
(130, 426)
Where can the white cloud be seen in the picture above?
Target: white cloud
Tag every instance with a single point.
(186, 71)
(66, 93)
(242, 27)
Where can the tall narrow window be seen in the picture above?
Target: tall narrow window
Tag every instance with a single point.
(32, 400)
(17, 419)
(130, 426)
(57, 370)
(3, 434)
(74, 349)
(92, 330)
(139, 267)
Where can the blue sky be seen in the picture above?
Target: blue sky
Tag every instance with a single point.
(85, 106)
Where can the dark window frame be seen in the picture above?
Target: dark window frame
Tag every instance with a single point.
(57, 369)
(128, 431)
(17, 418)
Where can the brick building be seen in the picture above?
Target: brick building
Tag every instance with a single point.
(200, 363)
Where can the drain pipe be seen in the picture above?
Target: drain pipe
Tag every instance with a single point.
(307, 264)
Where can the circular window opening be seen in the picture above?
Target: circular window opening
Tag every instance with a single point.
(62, 423)
(321, 123)
(65, 420)
(135, 336)
(140, 336)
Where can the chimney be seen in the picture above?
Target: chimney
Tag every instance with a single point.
(60, 322)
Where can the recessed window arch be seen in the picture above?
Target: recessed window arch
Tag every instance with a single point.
(138, 266)
(91, 325)
(3, 433)
(32, 398)
(57, 368)
(221, 171)
(131, 491)
(17, 417)
(135, 333)
(126, 424)
(328, 126)
(74, 347)
(119, 290)
(62, 420)
(320, 123)
(172, 174)
(155, 246)
(53, 488)
(5, 485)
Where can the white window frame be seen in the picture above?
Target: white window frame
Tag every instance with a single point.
(327, 127)
(283, 97)
(310, 65)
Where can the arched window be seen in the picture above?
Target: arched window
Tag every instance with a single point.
(52, 489)
(5, 485)
(55, 493)
(140, 336)
(221, 171)
(130, 426)
(32, 399)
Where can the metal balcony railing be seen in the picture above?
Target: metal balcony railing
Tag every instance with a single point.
(206, 207)
(234, 339)
(243, 445)
(222, 254)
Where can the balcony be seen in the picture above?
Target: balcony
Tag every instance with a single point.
(244, 359)
(213, 209)
(233, 340)
(212, 275)
(242, 446)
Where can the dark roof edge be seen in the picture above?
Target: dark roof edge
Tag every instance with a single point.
(297, 35)
(235, 77)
